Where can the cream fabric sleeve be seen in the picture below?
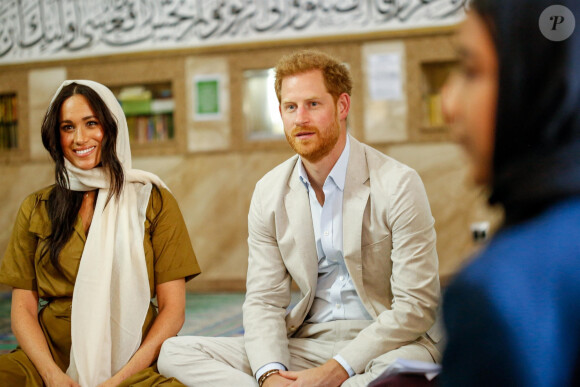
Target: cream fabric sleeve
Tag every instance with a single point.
(414, 278)
(268, 291)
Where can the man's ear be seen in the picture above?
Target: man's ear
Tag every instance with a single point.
(343, 106)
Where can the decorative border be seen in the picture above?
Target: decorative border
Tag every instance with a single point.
(37, 30)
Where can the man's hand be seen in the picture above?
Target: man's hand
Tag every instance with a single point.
(277, 381)
(330, 374)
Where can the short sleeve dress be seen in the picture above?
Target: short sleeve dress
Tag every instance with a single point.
(168, 253)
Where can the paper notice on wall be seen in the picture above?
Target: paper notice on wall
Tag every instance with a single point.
(385, 76)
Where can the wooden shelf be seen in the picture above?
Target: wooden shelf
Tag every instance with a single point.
(149, 109)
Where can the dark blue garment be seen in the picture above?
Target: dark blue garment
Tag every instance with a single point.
(513, 315)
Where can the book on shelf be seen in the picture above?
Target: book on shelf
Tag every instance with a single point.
(8, 135)
(8, 121)
(143, 129)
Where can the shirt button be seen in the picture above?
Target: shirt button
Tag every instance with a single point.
(341, 278)
(326, 233)
(337, 306)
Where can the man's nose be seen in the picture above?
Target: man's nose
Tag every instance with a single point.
(302, 117)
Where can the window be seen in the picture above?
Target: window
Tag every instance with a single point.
(261, 114)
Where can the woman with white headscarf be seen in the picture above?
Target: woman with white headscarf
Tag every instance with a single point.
(94, 248)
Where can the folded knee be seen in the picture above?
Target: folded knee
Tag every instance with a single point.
(179, 351)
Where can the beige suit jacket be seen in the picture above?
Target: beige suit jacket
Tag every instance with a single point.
(388, 246)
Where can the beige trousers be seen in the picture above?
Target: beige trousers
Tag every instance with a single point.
(222, 361)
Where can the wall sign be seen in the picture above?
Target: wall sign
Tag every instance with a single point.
(36, 30)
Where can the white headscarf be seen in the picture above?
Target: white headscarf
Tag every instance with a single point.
(111, 294)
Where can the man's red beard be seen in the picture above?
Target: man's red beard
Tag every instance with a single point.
(315, 148)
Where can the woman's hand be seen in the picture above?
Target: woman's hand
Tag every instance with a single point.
(171, 301)
(59, 379)
(26, 329)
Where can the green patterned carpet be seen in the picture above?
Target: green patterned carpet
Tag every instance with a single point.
(7, 341)
(213, 314)
(206, 314)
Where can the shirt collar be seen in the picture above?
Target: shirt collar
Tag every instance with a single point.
(338, 172)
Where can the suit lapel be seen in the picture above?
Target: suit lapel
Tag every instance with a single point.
(355, 199)
(300, 225)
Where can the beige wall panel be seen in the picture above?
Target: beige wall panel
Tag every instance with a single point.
(43, 84)
(214, 134)
(384, 120)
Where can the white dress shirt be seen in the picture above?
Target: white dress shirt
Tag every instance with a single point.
(336, 297)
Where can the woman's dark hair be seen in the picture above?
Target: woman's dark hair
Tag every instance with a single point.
(63, 203)
(537, 136)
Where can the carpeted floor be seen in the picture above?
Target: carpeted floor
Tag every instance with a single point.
(213, 314)
(7, 341)
(206, 314)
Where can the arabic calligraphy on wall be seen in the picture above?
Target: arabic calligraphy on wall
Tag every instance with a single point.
(52, 29)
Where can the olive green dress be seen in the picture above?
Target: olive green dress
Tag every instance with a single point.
(168, 253)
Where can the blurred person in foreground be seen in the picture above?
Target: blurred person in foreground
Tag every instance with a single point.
(513, 314)
(94, 249)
